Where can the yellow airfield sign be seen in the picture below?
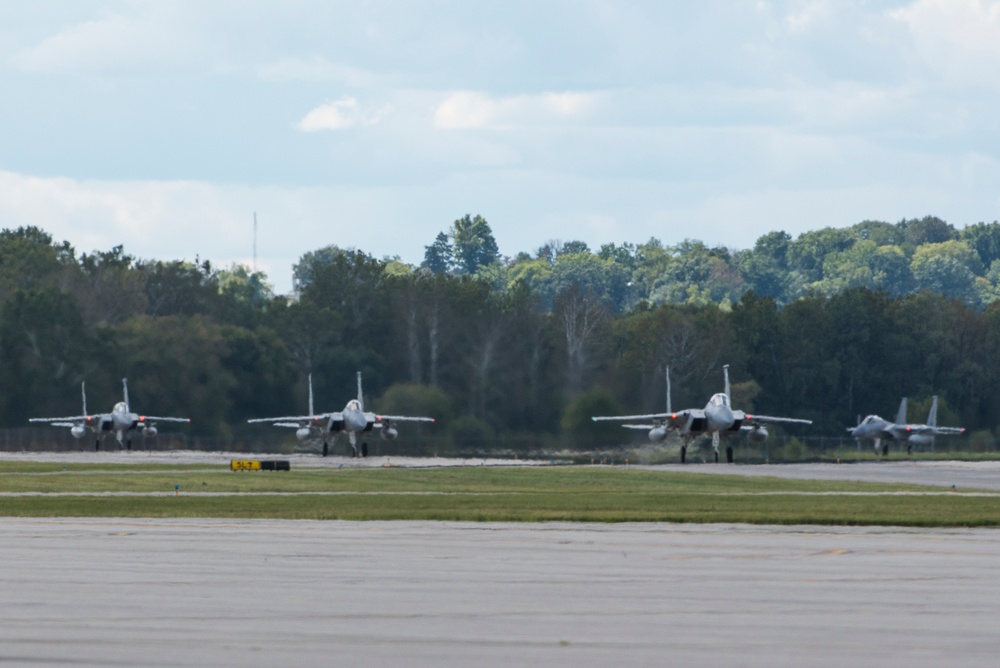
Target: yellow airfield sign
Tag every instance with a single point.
(258, 465)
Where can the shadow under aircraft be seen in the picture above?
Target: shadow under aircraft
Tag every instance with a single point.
(880, 431)
(352, 420)
(717, 419)
(121, 421)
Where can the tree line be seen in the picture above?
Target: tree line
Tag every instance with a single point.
(517, 352)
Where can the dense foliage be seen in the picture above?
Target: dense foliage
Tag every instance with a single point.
(827, 326)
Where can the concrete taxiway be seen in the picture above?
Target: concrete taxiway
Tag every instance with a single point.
(297, 460)
(237, 593)
(945, 474)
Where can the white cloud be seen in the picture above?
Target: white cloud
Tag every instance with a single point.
(808, 15)
(671, 111)
(316, 69)
(958, 38)
(476, 110)
(113, 43)
(340, 115)
(93, 214)
(179, 220)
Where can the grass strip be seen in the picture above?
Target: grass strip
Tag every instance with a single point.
(592, 494)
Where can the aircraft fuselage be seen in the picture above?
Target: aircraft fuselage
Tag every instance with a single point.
(122, 419)
(874, 427)
(718, 415)
(352, 419)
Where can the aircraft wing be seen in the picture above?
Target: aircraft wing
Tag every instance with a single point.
(949, 430)
(70, 421)
(153, 418)
(650, 416)
(777, 420)
(673, 420)
(644, 427)
(401, 418)
(299, 420)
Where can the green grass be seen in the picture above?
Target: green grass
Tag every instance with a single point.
(477, 494)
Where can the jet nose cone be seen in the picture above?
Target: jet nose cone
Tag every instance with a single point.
(720, 417)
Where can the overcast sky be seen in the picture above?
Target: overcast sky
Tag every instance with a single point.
(165, 125)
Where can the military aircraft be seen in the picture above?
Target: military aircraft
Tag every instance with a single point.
(717, 418)
(121, 420)
(352, 419)
(877, 429)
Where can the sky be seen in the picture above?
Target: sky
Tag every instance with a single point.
(166, 126)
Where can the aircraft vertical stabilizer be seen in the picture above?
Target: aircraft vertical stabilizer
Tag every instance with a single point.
(361, 399)
(717, 419)
(932, 416)
(125, 389)
(901, 415)
(668, 390)
(311, 411)
(83, 391)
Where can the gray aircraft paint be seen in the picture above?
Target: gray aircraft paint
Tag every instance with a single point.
(122, 421)
(877, 429)
(353, 420)
(717, 419)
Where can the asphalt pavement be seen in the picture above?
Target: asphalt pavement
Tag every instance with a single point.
(299, 593)
(983, 475)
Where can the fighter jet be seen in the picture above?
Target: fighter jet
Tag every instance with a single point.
(877, 429)
(717, 418)
(352, 419)
(121, 420)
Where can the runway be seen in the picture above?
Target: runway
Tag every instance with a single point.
(297, 460)
(963, 475)
(225, 593)
(984, 475)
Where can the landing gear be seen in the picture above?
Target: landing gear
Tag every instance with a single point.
(364, 449)
(97, 445)
(729, 454)
(128, 444)
(684, 453)
(326, 448)
(885, 450)
(354, 451)
(909, 448)
(716, 456)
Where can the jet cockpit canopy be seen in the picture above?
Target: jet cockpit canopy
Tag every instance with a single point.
(719, 400)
